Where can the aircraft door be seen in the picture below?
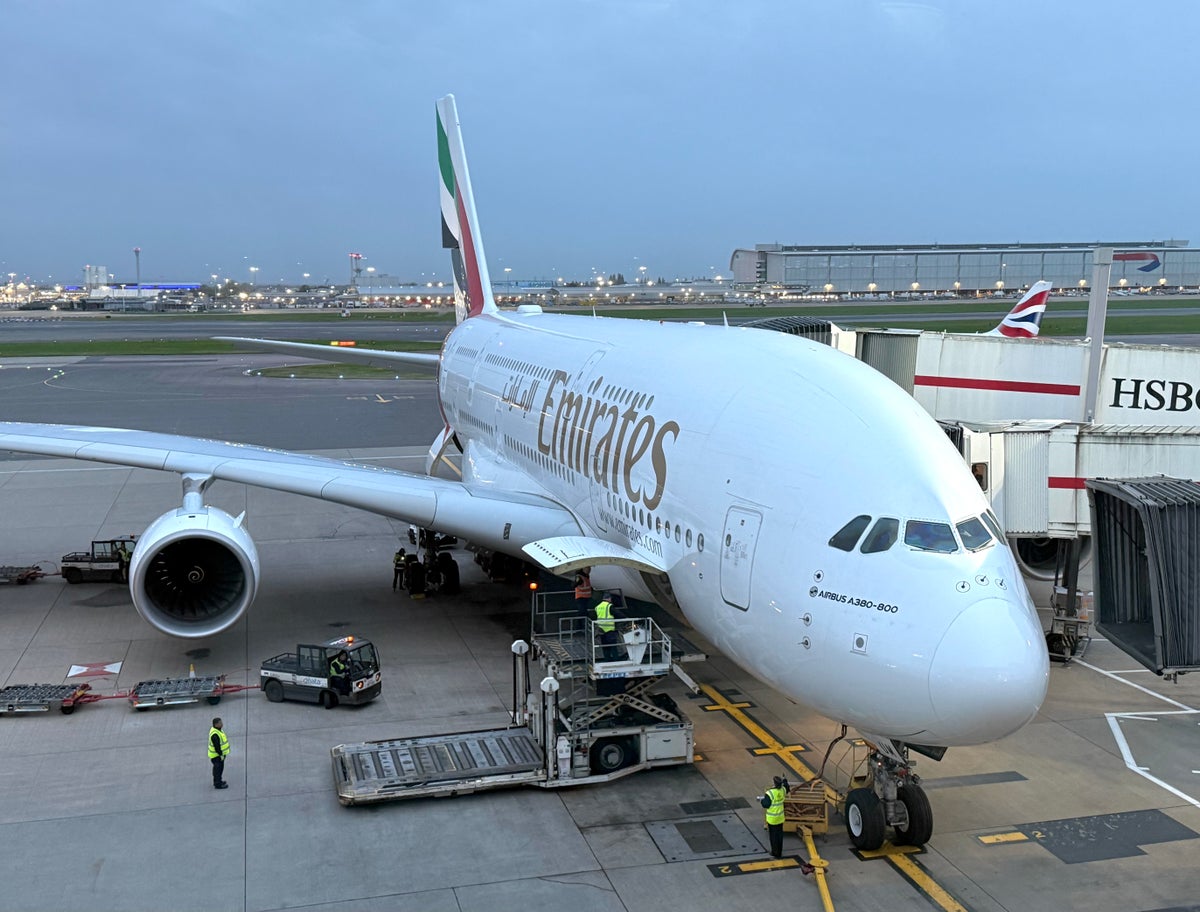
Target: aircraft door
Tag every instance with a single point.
(737, 555)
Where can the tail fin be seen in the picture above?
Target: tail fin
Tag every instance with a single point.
(460, 225)
(1024, 320)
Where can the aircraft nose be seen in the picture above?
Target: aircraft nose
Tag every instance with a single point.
(990, 672)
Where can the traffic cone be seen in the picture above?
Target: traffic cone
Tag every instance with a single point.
(192, 670)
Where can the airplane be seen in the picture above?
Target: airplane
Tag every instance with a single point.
(797, 508)
(1025, 319)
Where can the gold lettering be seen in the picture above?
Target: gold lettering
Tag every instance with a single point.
(603, 443)
(547, 405)
(639, 441)
(627, 417)
(658, 459)
(564, 425)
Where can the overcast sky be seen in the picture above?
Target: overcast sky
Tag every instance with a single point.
(602, 134)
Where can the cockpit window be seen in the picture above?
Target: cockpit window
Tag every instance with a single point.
(848, 535)
(994, 524)
(882, 535)
(974, 534)
(930, 536)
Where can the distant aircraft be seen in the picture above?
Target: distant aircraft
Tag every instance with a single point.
(797, 507)
(1025, 319)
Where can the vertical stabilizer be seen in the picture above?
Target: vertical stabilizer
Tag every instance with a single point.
(460, 225)
(1024, 320)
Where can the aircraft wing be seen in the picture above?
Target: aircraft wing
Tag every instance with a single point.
(375, 357)
(495, 519)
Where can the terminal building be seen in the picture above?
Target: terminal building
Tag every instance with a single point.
(960, 269)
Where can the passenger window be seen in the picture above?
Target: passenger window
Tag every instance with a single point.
(974, 534)
(848, 535)
(882, 535)
(930, 536)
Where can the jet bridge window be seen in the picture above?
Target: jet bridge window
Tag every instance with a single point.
(848, 535)
(882, 535)
(930, 536)
(974, 534)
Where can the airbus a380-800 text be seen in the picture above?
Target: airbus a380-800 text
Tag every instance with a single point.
(797, 507)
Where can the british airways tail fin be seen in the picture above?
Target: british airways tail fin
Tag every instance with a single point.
(460, 224)
(1024, 320)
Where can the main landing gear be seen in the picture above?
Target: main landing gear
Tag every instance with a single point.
(891, 797)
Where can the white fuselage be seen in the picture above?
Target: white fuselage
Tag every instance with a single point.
(728, 457)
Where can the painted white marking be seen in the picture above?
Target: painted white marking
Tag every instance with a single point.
(1145, 690)
(1127, 754)
(1139, 718)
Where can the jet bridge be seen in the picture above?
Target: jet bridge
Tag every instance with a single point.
(1146, 534)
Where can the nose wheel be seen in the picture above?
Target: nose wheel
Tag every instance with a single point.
(893, 799)
(865, 819)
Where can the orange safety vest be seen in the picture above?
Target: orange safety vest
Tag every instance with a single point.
(584, 588)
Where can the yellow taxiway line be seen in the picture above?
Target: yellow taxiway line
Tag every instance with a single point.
(897, 856)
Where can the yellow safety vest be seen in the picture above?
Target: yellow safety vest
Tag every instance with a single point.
(212, 751)
(775, 811)
(398, 560)
(604, 617)
(336, 668)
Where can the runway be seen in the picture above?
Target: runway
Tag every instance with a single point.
(378, 328)
(1096, 804)
(217, 397)
(16, 327)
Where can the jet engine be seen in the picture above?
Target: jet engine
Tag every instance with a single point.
(1038, 557)
(194, 572)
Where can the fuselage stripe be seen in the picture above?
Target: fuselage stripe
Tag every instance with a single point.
(1005, 386)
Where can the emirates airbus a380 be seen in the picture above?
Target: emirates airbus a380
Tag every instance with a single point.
(797, 507)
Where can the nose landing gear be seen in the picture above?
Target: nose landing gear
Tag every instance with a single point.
(892, 796)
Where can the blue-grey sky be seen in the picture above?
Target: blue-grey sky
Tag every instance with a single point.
(606, 134)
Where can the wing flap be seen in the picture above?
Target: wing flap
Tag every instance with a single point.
(566, 553)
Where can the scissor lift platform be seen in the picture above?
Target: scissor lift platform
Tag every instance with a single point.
(30, 698)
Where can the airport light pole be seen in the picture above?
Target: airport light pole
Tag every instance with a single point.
(253, 270)
(137, 259)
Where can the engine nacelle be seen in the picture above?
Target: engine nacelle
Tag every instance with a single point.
(1037, 558)
(194, 572)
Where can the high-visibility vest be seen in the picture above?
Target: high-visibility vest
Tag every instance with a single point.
(775, 811)
(604, 617)
(212, 751)
(336, 668)
(398, 560)
(584, 588)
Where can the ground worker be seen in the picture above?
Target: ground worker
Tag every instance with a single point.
(772, 802)
(218, 750)
(583, 591)
(606, 626)
(123, 558)
(397, 568)
(338, 666)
